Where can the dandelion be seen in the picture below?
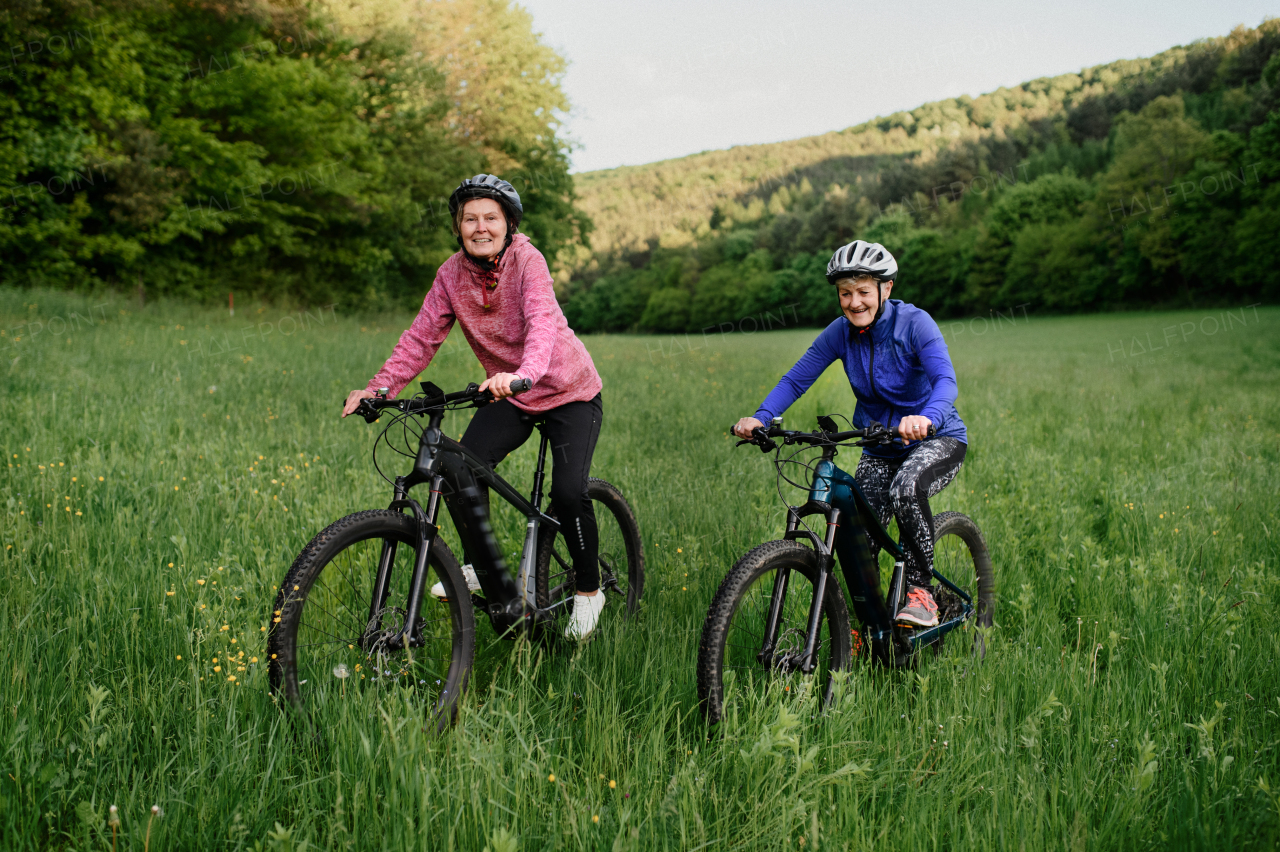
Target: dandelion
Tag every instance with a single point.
(595, 818)
(341, 672)
(166, 594)
(101, 478)
(155, 812)
(217, 668)
(679, 550)
(231, 678)
(255, 659)
(198, 582)
(179, 657)
(613, 785)
(551, 777)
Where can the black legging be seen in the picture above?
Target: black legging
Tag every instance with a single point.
(901, 487)
(500, 428)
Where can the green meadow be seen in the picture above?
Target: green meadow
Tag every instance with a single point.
(165, 463)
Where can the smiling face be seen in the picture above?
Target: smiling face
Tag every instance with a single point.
(483, 228)
(860, 299)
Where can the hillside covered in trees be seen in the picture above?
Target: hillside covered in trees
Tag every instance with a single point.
(292, 150)
(1138, 183)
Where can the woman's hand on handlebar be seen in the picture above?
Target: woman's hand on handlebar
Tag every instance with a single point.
(914, 427)
(499, 385)
(353, 401)
(744, 427)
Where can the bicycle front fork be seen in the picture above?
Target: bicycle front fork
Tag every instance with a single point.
(807, 660)
(427, 530)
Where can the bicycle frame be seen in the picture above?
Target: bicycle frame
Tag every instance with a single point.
(836, 495)
(453, 470)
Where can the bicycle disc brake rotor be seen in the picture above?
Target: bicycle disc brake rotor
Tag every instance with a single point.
(384, 645)
(788, 650)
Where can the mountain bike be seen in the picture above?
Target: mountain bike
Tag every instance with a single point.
(352, 613)
(780, 614)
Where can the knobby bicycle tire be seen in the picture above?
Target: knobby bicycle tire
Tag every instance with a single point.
(967, 563)
(738, 610)
(621, 554)
(322, 647)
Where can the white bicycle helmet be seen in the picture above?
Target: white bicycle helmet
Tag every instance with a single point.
(860, 258)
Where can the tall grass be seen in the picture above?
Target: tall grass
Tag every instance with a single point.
(167, 463)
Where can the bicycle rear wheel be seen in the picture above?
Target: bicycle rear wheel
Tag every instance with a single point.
(325, 648)
(960, 554)
(621, 557)
(730, 652)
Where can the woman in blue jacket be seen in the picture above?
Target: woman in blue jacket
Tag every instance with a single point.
(898, 365)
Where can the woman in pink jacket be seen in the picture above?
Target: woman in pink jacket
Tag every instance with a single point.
(498, 288)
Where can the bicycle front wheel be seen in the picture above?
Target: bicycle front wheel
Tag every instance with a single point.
(731, 654)
(621, 555)
(330, 645)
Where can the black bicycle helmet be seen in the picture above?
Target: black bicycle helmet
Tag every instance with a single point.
(860, 258)
(489, 186)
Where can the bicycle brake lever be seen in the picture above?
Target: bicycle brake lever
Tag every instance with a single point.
(368, 412)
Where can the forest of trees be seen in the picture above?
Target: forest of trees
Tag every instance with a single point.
(289, 150)
(303, 151)
(1151, 182)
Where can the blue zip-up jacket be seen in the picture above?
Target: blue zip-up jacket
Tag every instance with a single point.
(899, 366)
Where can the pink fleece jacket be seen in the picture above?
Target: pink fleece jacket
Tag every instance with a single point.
(514, 325)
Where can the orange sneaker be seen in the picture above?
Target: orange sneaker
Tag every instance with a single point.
(921, 610)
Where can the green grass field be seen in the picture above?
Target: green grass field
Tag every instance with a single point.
(166, 464)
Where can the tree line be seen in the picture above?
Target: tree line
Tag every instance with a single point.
(1141, 183)
(294, 151)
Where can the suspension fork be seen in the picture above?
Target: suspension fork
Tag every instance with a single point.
(387, 558)
(780, 583)
(808, 660)
(426, 539)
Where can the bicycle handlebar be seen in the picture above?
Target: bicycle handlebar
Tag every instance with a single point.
(371, 408)
(873, 435)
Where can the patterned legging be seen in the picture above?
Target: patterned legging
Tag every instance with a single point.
(901, 487)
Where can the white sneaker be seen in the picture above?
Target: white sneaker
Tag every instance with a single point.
(473, 583)
(586, 614)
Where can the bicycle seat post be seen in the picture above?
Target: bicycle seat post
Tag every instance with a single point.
(539, 473)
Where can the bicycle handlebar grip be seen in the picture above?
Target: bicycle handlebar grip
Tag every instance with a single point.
(521, 385)
(932, 431)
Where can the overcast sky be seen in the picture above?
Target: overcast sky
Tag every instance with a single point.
(660, 79)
